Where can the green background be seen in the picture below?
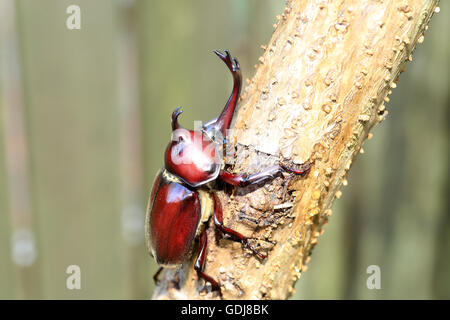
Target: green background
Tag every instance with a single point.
(96, 104)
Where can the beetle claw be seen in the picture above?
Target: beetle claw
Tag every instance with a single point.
(156, 276)
(256, 252)
(305, 167)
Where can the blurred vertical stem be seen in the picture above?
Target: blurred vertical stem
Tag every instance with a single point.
(133, 211)
(71, 107)
(23, 246)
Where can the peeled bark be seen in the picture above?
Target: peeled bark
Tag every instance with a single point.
(320, 87)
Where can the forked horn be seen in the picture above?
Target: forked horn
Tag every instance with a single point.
(175, 114)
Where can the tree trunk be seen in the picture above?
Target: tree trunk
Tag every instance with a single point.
(320, 87)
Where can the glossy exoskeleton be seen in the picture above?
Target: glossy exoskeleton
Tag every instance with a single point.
(182, 200)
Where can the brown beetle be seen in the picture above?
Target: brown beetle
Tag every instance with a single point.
(180, 203)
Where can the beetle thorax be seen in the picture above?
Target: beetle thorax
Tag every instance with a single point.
(193, 157)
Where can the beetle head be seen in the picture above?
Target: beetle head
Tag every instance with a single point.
(191, 155)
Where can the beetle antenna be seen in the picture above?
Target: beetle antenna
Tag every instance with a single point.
(175, 114)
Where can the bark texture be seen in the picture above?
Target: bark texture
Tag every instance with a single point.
(320, 86)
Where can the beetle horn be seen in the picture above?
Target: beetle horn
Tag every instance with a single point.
(175, 114)
(224, 120)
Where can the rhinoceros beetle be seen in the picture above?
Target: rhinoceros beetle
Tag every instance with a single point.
(183, 198)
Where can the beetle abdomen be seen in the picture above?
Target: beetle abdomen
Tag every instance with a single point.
(173, 216)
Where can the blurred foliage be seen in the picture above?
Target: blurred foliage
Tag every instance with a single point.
(394, 212)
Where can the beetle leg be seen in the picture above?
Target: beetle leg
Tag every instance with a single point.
(200, 263)
(242, 180)
(156, 275)
(223, 121)
(236, 236)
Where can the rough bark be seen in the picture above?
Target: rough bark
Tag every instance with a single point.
(320, 86)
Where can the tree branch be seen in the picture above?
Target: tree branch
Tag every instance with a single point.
(320, 87)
